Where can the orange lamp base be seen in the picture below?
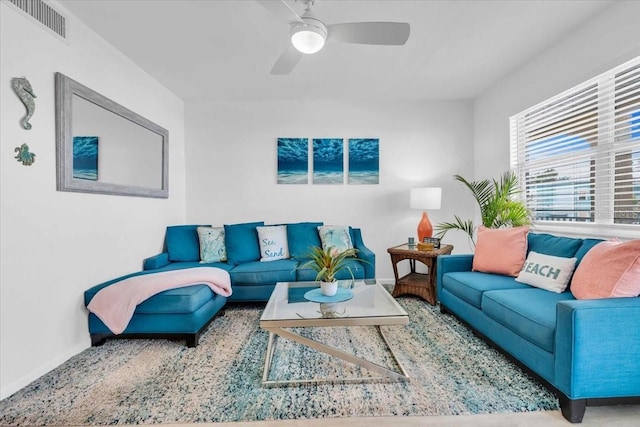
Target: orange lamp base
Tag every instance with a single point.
(425, 229)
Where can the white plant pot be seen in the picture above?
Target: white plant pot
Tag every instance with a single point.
(329, 288)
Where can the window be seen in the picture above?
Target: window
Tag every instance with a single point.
(577, 155)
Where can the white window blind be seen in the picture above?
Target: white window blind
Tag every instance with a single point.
(577, 155)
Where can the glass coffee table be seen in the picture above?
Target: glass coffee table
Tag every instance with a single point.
(368, 304)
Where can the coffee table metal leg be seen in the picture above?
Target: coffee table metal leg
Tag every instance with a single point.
(386, 373)
(268, 358)
(405, 375)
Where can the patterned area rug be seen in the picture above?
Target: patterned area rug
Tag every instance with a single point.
(159, 381)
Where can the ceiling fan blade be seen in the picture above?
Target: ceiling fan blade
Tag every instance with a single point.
(281, 9)
(287, 61)
(385, 33)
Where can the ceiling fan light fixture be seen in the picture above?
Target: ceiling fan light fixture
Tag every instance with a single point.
(309, 37)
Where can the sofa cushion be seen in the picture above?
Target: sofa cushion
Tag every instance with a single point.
(565, 247)
(181, 300)
(301, 237)
(182, 243)
(273, 242)
(264, 273)
(609, 270)
(547, 272)
(306, 274)
(530, 313)
(212, 247)
(470, 285)
(500, 251)
(241, 241)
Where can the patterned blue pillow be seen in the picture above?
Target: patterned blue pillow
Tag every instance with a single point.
(212, 248)
(336, 236)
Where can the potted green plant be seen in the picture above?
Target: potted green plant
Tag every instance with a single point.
(328, 263)
(498, 208)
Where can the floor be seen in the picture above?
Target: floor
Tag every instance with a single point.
(610, 416)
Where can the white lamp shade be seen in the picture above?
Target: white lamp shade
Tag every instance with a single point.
(426, 198)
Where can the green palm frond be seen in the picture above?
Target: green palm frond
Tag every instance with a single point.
(495, 198)
(466, 226)
(480, 190)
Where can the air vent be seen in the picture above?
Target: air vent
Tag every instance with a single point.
(44, 14)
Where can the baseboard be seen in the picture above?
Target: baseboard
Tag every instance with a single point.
(9, 389)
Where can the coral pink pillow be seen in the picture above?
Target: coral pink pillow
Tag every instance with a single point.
(608, 270)
(501, 251)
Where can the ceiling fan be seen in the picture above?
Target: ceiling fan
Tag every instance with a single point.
(309, 34)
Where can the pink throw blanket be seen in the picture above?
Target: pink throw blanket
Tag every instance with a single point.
(115, 304)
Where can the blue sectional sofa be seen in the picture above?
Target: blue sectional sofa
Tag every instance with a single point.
(184, 313)
(586, 351)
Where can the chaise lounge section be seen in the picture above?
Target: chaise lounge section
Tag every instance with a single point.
(182, 314)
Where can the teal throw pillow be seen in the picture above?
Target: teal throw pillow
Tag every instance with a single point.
(586, 245)
(273, 242)
(212, 248)
(302, 237)
(182, 243)
(241, 241)
(335, 236)
(549, 244)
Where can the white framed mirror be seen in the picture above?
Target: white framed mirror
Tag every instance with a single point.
(103, 147)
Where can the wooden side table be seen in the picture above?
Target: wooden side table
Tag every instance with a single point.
(419, 284)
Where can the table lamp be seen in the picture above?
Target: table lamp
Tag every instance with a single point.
(425, 198)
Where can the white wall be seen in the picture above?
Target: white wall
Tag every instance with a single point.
(609, 39)
(54, 245)
(231, 162)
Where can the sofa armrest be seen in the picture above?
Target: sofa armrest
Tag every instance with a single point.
(365, 254)
(451, 263)
(597, 348)
(156, 261)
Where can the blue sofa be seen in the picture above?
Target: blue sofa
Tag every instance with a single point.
(184, 313)
(586, 351)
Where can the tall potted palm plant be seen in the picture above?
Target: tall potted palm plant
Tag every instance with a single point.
(498, 208)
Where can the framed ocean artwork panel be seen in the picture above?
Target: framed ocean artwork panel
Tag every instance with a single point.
(364, 161)
(328, 161)
(293, 160)
(85, 157)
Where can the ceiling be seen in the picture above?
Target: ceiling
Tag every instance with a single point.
(223, 50)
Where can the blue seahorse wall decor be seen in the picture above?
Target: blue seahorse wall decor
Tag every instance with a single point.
(24, 155)
(22, 88)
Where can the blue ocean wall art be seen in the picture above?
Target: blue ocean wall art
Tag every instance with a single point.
(85, 157)
(293, 160)
(364, 161)
(328, 161)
